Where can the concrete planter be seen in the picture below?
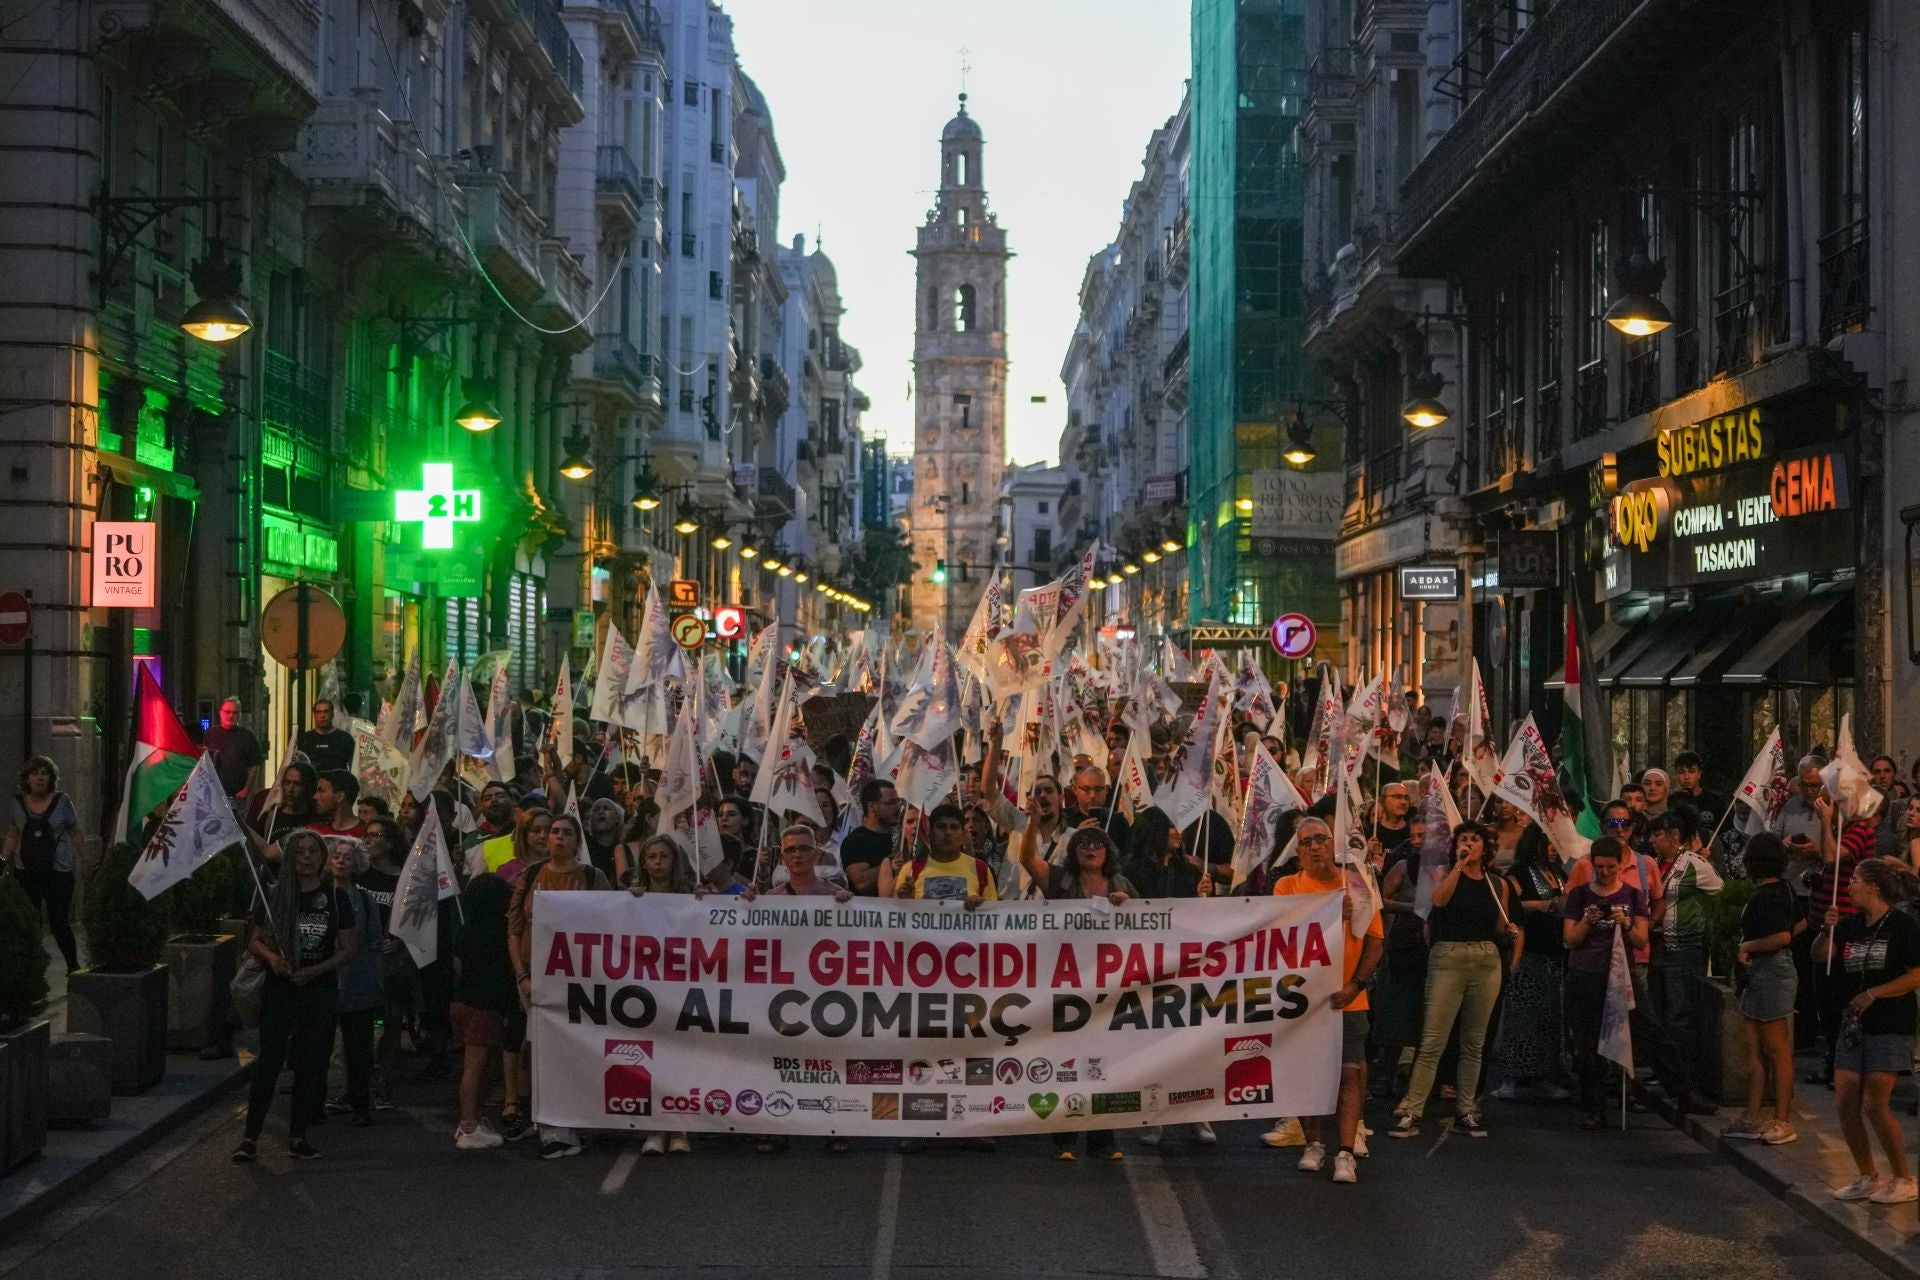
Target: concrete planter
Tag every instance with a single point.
(23, 1095)
(129, 1009)
(199, 977)
(1722, 1050)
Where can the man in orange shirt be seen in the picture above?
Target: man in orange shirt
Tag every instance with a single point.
(1318, 874)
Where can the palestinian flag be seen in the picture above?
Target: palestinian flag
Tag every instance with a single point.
(163, 755)
(1573, 737)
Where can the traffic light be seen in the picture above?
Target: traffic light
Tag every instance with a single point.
(939, 578)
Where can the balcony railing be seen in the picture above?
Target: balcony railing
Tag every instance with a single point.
(776, 492)
(1642, 376)
(505, 232)
(352, 154)
(1844, 304)
(1330, 74)
(1175, 365)
(1179, 243)
(550, 33)
(1546, 419)
(1539, 65)
(645, 22)
(615, 359)
(297, 400)
(614, 171)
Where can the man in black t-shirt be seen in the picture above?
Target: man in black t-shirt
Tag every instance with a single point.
(329, 748)
(1089, 803)
(870, 843)
(1390, 826)
(236, 753)
(1688, 789)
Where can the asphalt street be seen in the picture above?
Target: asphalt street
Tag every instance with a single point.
(1538, 1198)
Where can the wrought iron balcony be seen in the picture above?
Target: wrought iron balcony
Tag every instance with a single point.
(1844, 301)
(615, 174)
(550, 33)
(355, 159)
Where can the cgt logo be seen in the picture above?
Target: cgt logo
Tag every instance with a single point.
(629, 1077)
(1249, 1069)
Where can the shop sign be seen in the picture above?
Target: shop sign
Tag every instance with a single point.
(1757, 521)
(1377, 548)
(458, 576)
(683, 593)
(126, 569)
(436, 506)
(1429, 582)
(1297, 504)
(296, 546)
(1164, 488)
(1724, 441)
(583, 627)
(1527, 558)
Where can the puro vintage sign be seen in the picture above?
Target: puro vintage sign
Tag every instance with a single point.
(126, 569)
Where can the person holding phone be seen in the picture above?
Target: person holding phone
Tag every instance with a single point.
(1594, 913)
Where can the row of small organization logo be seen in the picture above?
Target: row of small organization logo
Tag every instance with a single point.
(1247, 1080)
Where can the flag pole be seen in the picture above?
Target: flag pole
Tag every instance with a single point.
(1834, 905)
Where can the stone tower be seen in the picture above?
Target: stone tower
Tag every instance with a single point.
(960, 381)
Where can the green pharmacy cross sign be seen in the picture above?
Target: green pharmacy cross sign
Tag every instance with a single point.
(436, 506)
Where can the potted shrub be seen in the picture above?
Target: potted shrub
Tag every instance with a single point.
(23, 1040)
(122, 995)
(200, 954)
(1721, 1050)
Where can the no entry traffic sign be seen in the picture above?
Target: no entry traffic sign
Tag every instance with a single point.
(16, 619)
(1294, 635)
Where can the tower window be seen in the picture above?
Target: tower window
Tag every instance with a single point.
(933, 308)
(960, 169)
(960, 215)
(963, 308)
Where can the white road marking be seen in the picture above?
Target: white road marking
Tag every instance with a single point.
(622, 1168)
(1169, 1237)
(888, 1218)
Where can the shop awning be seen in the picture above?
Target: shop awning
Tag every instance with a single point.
(1679, 639)
(1715, 645)
(1599, 644)
(1628, 653)
(1757, 664)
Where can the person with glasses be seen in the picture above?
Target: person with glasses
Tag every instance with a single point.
(1909, 851)
(1089, 804)
(1319, 874)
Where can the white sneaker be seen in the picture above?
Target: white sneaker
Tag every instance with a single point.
(1897, 1191)
(1506, 1092)
(478, 1138)
(1313, 1158)
(677, 1145)
(1203, 1134)
(1286, 1132)
(1150, 1136)
(655, 1145)
(1360, 1140)
(1860, 1188)
(1344, 1168)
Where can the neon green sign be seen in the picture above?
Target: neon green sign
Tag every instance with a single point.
(436, 506)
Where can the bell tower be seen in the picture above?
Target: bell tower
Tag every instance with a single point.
(960, 380)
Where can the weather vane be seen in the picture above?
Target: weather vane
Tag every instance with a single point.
(965, 67)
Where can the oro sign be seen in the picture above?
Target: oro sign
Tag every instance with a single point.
(1294, 635)
(126, 571)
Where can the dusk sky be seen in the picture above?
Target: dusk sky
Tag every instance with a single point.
(1067, 93)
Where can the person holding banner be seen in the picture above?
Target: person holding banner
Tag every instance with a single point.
(304, 933)
(561, 871)
(1318, 874)
(1594, 911)
(1471, 923)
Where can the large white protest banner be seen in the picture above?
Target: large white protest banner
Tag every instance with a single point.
(919, 1019)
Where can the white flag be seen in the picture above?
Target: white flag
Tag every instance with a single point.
(436, 745)
(563, 711)
(1528, 780)
(1270, 795)
(1185, 797)
(426, 878)
(1350, 851)
(470, 729)
(1478, 751)
(756, 728)
(933, 717)
(679, 798)
(784, 782)
(402, 718)
(610, 681)
(499, 724)
(1848, 781)
(1132, 786)
(1252, 694)
(1765, 789)
(927, 776)
(1616, 1035)
(200, 824)
(380, 766)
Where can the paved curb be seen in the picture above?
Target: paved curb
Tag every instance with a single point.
(1859, 1230)
(59, 1193)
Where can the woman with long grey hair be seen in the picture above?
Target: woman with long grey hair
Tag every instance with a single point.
(304, 935)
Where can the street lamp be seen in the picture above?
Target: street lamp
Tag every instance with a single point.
(646, 492)
(749, 551)
(689, 521)
(1299, 451)
(1639, 313)
(1150, 556)
(1170, 545)
(576, 465)
(720, 541)
(1425, 408)
(477, 415)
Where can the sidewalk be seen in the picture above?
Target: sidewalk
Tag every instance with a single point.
(1804, 1173)
(78, 1156)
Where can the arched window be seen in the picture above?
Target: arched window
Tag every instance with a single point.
(933, 308)
(963, 308)
(960, 215)
(961, 169)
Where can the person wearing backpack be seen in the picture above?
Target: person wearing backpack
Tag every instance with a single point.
(946, 871)
(40, 843)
